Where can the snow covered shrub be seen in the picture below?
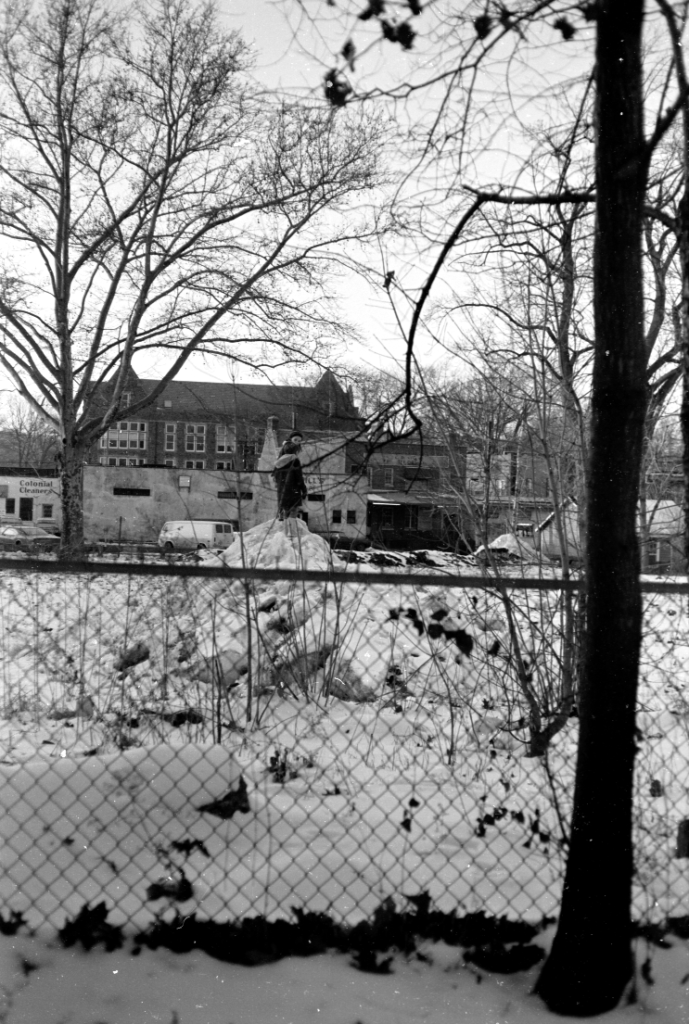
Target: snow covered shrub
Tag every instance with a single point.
(536, 659)
(284, 765)
(381, 729)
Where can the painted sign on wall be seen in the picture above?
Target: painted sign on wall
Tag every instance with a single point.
(36, 486)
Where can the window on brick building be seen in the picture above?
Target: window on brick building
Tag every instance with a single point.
(195, 437)
(224, 439)
(126, 435)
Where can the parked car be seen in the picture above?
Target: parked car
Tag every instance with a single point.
(6, 520)
(28, 538)
(190, 534)
(49, 525)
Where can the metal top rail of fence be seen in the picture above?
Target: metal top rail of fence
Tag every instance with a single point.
(179, 739)
(374, 576)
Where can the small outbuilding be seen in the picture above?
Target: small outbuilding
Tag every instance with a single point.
(561, 529)
(663, 533)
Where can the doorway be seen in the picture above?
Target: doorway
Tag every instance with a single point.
(26, 510)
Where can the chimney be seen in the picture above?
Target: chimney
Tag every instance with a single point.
(269, 453)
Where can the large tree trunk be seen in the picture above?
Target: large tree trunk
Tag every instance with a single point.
(72, 545)
(591, 961)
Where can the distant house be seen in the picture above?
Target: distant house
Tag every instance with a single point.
(507, 485)
(414, 492)
(665, 530)
(664, 534)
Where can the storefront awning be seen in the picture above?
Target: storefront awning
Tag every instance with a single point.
(399, 498)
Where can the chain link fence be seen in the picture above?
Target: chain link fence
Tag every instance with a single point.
(232, 742)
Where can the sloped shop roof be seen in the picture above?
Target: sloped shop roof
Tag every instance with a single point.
(401, 498)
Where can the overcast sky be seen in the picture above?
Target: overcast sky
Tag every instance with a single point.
(282, 64)
(288, 65)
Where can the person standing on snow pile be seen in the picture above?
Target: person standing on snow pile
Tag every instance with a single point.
(289, 478)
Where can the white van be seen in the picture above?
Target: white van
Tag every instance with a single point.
(190, 534)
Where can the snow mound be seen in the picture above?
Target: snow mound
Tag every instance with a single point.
(509, 545)
(284, 544)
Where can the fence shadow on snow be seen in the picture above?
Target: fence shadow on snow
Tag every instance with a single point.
(241, 741)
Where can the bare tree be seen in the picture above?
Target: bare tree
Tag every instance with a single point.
(591, 961)
(589, 965)
(33, 442)
(153, 200)
(543, 297)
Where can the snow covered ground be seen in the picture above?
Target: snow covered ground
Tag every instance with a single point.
(221, 749)
(44, 984)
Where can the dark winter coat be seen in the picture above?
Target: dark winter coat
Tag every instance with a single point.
(289, 480)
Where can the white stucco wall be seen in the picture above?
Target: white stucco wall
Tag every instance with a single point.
(138, 518)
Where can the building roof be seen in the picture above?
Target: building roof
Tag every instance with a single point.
(322, 406)
(398, 498)
(427, 499)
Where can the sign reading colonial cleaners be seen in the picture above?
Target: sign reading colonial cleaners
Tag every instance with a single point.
(36, 486)
(30, 498)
